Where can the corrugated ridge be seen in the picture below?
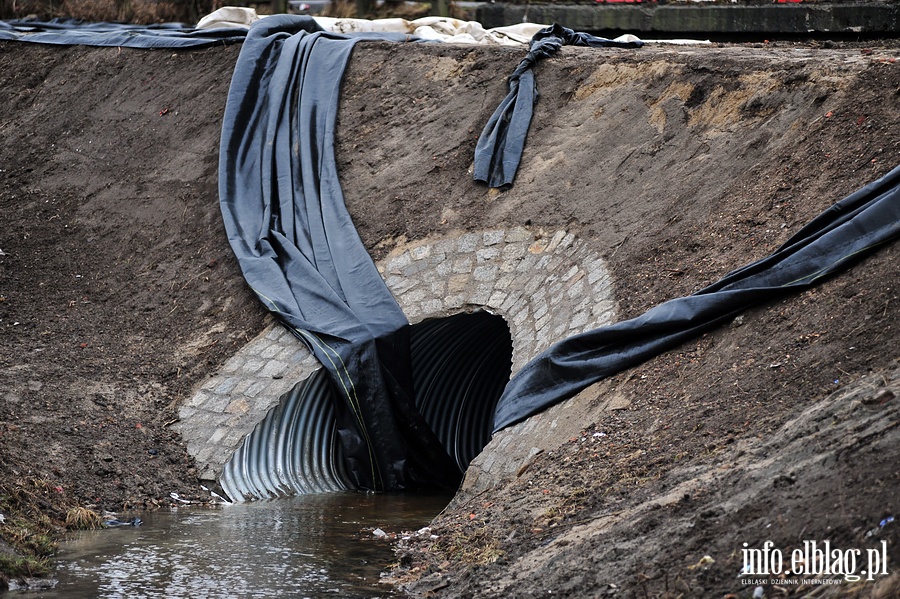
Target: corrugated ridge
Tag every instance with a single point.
(460, 366)
(293, 450)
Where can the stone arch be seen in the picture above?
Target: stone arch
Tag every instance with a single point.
(547, 286)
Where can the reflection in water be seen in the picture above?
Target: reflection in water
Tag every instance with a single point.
(307, 546)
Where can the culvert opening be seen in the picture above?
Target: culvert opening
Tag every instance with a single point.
(460, 366)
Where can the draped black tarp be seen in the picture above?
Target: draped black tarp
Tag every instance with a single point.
(499, 148)
(299, 250)
(73, 32)
(848, 230)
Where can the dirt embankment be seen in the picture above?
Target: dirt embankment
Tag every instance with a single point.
(119, 294)
(678, 165)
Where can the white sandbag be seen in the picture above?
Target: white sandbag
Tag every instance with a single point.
(228, 17)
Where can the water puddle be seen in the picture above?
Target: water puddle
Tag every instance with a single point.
(308, 546)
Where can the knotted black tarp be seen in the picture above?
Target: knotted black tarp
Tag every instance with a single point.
(499, 148)
(73, 32)
(845, 232)
(299, 250)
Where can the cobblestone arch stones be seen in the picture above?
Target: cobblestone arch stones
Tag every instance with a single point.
(546, 286)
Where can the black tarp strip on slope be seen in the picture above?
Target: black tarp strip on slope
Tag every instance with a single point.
(300, 252)
(845, 232)
(499, 148)
(73, 32)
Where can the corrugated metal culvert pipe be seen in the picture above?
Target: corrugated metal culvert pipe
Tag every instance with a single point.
(461, 365)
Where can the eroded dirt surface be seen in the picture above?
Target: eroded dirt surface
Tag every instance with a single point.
(119, 291)
(680, 165)
(119, 294)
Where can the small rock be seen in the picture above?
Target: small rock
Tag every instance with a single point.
(379, 533)
(883, 396)
(784, 480)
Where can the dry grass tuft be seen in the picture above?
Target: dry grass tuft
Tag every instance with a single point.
(142, 12)
(33, 509)
(476, 547)
(340, 9)
(82, 518)
(346, 9)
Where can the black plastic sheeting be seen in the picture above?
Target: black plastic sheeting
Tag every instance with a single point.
(73, 32)
(460, 366)
(299, 250)
(848, 230)
(499, 148)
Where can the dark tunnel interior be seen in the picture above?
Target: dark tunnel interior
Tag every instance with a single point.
(461, 365)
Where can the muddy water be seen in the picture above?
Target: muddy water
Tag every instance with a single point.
(311, 546)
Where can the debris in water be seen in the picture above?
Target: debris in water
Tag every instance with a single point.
(216, 496)
(116, 523)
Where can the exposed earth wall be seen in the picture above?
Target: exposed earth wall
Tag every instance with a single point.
(119, 295)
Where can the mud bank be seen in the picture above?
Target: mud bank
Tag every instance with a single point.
(120, 296)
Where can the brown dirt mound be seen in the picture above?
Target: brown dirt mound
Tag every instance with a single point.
(119, 292)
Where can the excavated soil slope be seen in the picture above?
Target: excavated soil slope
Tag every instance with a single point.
(119, 294)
